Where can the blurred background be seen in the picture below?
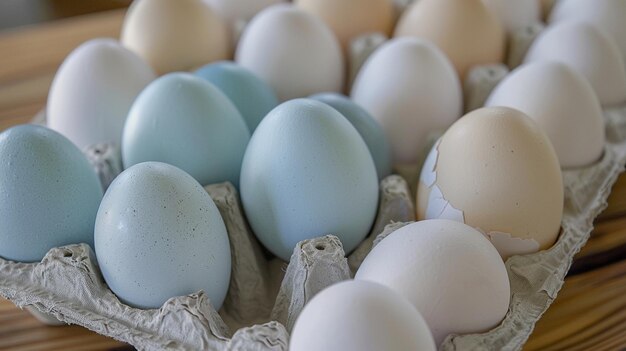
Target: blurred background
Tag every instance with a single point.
(17, 13)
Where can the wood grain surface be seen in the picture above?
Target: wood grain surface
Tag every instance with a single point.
(589, 313)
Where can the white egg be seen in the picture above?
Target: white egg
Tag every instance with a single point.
(412, 89)
(587, 50)
(609, 15)
(449, 271)
(515, 14)
(93, 90)
(360, 316)
(564, 105)
(293, 51)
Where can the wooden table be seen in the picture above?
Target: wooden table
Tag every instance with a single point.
(589, 314)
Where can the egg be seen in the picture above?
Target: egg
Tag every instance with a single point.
(412, 90)
(252, 96)
(360, 316)
(306, 173)
(158, 235)
(496, 170)
(564, 105)
(447, 270)
(607, 15)
(369, 129)
(93, 90)
(293, 51)
(515, 14)
(185, 121)
(587, 50)
(49, 194)
(175, 35)
(365, 17)
(240, 10)
(465, 30)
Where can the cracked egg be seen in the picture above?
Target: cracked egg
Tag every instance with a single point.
(496, 170)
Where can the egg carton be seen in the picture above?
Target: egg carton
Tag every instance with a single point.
(266, 295)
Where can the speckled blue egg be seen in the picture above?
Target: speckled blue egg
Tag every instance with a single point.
(252, 97)
(306, 173)
(49, 194)
(159, 235)
(187, 122)
(371, 131)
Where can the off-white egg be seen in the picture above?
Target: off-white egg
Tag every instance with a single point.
(360, 316)
(293, 51)
(411, 88)
(93, 90)
(515, 14)
(175, 35)
(496, 170)
(587, 50)
(563, 103)
(351, 18)
(465, 30)
(448, 271)
(608, 15)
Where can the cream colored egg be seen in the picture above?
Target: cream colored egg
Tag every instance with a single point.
(608, 15)
(349, 19)
(496, 170)
(465, 30)
(563, 103)
(587, 50)
(175, 35)
(293, 51)
(411, 88)
(515, 14)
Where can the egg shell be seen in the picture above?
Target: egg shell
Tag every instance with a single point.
(187, 122)
(232, 11)
(158, 235)
(175, 35)
(307, 173)
(293, 51)
(496, 170)
(564, 105)
(369, 129)
(411, 89)
(607, 15)
(49, 194)
(587, 50)
(465, 30)
(360, 316)
(93, 90)
(252, 96)
(427, 262)
(515, 14)
(365, 17)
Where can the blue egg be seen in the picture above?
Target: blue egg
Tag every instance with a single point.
(371, 131)
(187, 122)
(159, 235)
(307, 173)
(252, 96)
(49, 194)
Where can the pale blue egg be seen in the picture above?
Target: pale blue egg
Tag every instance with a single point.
(371, 131)
(306, 173)
(159, 235)
(49, 194)
(252, 96)
(187, 122)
